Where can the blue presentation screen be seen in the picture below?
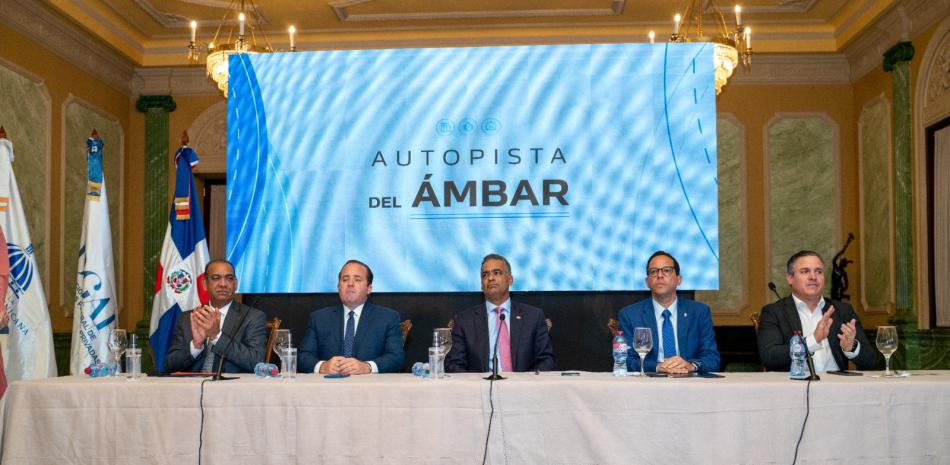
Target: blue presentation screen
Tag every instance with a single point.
(576, 162)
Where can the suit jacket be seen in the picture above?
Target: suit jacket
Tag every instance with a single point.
(694, 334)
(247, 349)
(378, 338)
(778, 321)
(530, 343)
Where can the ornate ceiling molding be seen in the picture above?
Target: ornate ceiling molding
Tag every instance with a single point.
(172, 81)
(344, 11)
(905, 22)
(794, 69)
(36, 21)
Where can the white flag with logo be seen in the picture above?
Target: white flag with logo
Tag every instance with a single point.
(95, 310)
(30, 347)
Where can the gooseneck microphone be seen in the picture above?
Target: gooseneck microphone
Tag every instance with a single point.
(812, 375)
(494, 358)
(774, 291)
(224, 356)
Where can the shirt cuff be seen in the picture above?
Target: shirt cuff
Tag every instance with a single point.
(316, 369)
(857, 350)
(813, 345)
(195, 352)
(372, 365)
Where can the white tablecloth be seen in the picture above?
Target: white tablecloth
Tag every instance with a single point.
(594, 418)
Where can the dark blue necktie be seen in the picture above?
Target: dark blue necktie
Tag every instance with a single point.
(669, 339)
(349, 335)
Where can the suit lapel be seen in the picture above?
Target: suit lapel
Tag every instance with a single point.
(649, 318)
(337, 320)
(482, 339)
(363, 328)
(791, 315)
(682, 326)
(231, 321)
(517, 327)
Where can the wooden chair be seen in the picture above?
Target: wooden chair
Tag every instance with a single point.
(273, 325)
(756, 318)
(405, 326)
(613, 325)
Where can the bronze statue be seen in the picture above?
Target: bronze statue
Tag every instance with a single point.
(839, 277)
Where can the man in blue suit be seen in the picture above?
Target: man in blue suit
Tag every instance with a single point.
(354, 338)
(683, 337)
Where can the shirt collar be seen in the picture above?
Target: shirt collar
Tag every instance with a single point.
(658, 309)
(801, 306)
(506, 307)
(356, 311)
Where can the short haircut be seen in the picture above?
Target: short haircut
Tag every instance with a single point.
(369, 272)
(218, 260)
(790, 264)
(676, 264)
(494, 256)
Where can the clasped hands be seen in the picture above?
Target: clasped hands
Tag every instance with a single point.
(205, 324)
(346, 366)
(847, 335)
(675, 365)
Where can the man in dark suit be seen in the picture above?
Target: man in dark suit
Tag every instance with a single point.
(518, 330)
(682, 330)
(203, 334)
(354, 338)
(832, 331)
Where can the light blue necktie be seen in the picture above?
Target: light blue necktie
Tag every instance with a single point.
(669, 339)
(349, 335)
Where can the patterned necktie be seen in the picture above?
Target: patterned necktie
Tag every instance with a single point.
(504, 342)
(208, 366)
(669, 339)
(349, 335)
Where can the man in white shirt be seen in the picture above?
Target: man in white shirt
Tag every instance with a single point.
(832, 331)
(222, 327)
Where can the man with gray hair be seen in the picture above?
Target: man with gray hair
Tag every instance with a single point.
(517, 331)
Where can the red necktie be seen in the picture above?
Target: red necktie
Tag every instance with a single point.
(504, 342)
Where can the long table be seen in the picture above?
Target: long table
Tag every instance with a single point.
(593, 418)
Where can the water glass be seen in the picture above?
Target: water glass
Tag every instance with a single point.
(436, 363)
(282, 340)
(117, 343)
(642, 344)
(288, 364)
(133, 363)
(887, 344)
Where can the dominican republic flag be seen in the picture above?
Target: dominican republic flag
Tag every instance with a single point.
(30, 347)
(95, 308)
(179, 283)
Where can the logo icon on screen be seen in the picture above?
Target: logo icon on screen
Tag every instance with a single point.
(491, 125)
(467, 126)
(444, 126)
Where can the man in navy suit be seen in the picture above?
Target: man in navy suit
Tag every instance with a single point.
(518, 331)
(355, 338)
(203, 334)
(683, 337)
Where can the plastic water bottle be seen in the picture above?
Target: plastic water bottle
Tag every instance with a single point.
(796, 350)
(420, 369)
(620, 354)
(265, 370)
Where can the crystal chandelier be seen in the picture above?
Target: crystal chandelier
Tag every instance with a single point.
(732, 47)
(249, 18)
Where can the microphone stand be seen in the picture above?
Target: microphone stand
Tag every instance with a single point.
(494, 376)
(774, 291)
(812, 375)
(224, 356)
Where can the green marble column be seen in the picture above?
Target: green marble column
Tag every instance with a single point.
(897, 61)
(156, 109)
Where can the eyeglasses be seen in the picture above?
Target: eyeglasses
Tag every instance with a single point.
(666, 270)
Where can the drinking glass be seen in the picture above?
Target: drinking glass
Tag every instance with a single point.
(442, 337)
(887, 344)
(642, 344)
(117, 343)
(282, 340)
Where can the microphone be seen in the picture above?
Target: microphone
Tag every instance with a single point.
(774, 291)
(224, 356)
(494, 359)
(812, 376)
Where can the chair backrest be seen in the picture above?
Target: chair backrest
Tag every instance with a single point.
(405, 326)
(272, 325)
(756, 318)
(613, 325)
